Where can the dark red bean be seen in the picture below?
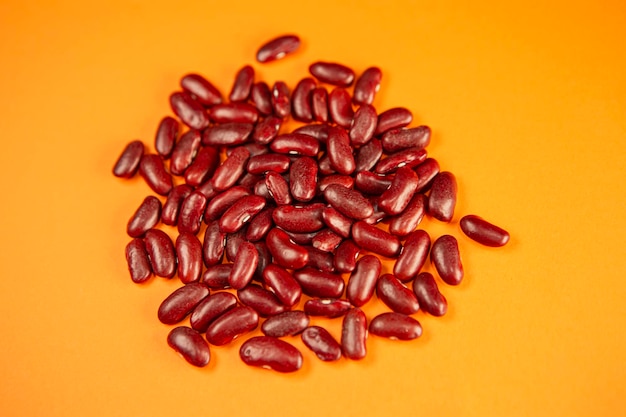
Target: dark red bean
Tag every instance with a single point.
(224, 200)
(367, 86)
(185, 151)
(189, 255)
(211, 308)
(345, 256)
(345, 180)
(318, 130)
(171, 208)
(348, 202)
(138, 262)
(227, 134)
(399, 139)
(227, 174)
(321, 343)
(324, 165)
(397, 197)
(426, 172)
(262, 97)
(375, 240)
(442, 197)
(316, 283)
(189, 111)
(232, 324)
(446, 258)
(326, 240)
(295, 144)
(259, 225)
(203, 166)
(234, 113)
(371, 183)
(216, 276)
(240, 213)
(413, 256)
(362, 282)
(190, 345)
(409, 158)
(319, 104)
(242, 85)
(330, 308)
(266, 130)
(320, 260)
(261, 300)
(191, 213)
(153, 172)
(233, 242)
(145, 218)
(265, 259)
(286, 253)
(128, 162)
(299, 219)
(483, 232)
(244, 266)
(395, 326)
(166, 136)
(213, 246)
(337, 222)
(340, 107)
(407, 221)
(332, 73)
(395, 295)
(354, 334)
(181, 302)
(281, 100)
(378, 214)
(394, 118)
(283, 284)
(363, 125)
(161, 253)
(301, 238)
(287, 323)
(368, 155)
(340, 151)
(303, 178)
(277, 188)
(270, 353)
(277, 48)
(301, 100)
(268, 162)
(428, 295)
(207, 189)
(201, 89)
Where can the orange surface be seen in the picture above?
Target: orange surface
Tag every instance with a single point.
(527, 104)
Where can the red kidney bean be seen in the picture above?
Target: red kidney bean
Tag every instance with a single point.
(320, 260)
(242, 85)
(262, 97)
(223, 201)
(286, 253)
(241, 212)
(181, 302)
(409, 158)
(201, 89)
(371, 183)
(319, 104)
(397, 197)
(270, 353)
(244, 265)
(442, 197)
(283, 284)
(232, 324)
(277, 48)
(363, 125)
(277, 188)
(394, 118)
(138, 262)
(326, 240)
(337, 222)
(287, 323)
(259, 225)
(316, 283)
(260, 188)
(345, 180)
(233, 242)
(261, 300)
(301, 100)
(161, 253)
(345, 256)
(265, 259)
(407, 221)
(321, 343)
(362, 282)
(340, 152)
(428, 295)
(368, 155)
(227, 174)
(413, 256)
(395, 326)
(227, 134)
(330, 308)
(191, 213)
(295, 144)
(354, 334)
(332, 73)
(324, 165)
(190, 345)
(318, 130)
(166, 136)
(367, 86)
(153, 172)
(340, 107)
(213, 246)
(234, 113)
(211, 308)
(266, 130)
(171, 208)
(378, 214)
(395, 295)
(303, 178)
(189, 111)
(375, 240)
(189, 255)
(348, 202)
(145, 218)
(426, 172)
(207, 189)
(281, 100)
(185, 151)
(483, 232)
(399, 139)
(203, 166)
(128, 162)
(445, 256)
(216, 276)
(299, 219)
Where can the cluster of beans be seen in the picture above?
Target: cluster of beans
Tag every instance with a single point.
(294, 213)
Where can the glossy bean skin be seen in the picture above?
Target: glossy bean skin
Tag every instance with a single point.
(244, 266)
(268, 162)
(326, 240)
(332, 73)
(216, 276)
(265, 259)
(340, 107)
(145, 217)
(189, 255)
(367, 86)
(318, 130)
(340, 151)
(363, 125)
(299, 219)
(319, 104)
(261, 300)
(227, 174)
(166, 136)
(428, 295)
(442, 197)
(320, 260)
(295, 144)
(324, 166)
(227, 134)
(181, 302)
(286, 253)
(287, 323)
(394, 118)
(223, 201)
(324, 307)
(396, 296)
(322, 343)
(213, 246)
(262, 97)
(259, 225)
(354, 334)
(171, 208)
(240, 213)
(270, 352)
(395, 199)
(407, 221)
(375, 240)
(362, 282)
(128, 162)
(348, 202)
(483, 232)
(373, 184)
(301, 100)
(234, 113)
(190, 345)
(211, 308)
(286, 288)
(320, 284)
(408, 157)
(426, 172)
(303, 178)
(398, 139)
(368, 155)
(138, 262)
(153, 172)
(446, 258)
(161, 253)
(201, 89)
(413, 256)
(242, 84)
(266, 130)
(345, 256)
(277, 48)
(281, 99)
(395, 326)
(203, 166)
(189, 111)
(337, 222)
(191, 213)
(232, 324)
(184, 151)
(345, 180)
(233, 242)
(277, 188)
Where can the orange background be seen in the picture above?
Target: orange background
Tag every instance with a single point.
(527, 102)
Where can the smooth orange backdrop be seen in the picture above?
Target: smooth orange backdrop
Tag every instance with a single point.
(527, 102)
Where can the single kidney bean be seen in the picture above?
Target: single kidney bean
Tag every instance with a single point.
(397, 197)
(316, 283)
(413, 256)
(483, 232)
(375, 240)
(428, 295)
(326, 240)
(207, 189)
(277, 188)
(394, 118)
(232, 324)
(295, 144)
(213, 246)
(277, 48)
(340, 151)
(259, 225)
(211, 308)
(171, 208)
(138, 262)
(299, 219)
(145, 218)
(161, 253)
(189, 111)
(281, 101)
(242, 85)
(181, 302)
(362, 282)
(340, 107)
(330, 308)
(227, 174)
(345, 180)
(426, 172)
(367, 86)
(216, 276)
(363, 125)
(368, 155)
(395, 295)
(128, 162)
(407, 221)
(301, 238)
(354, 334)
(324, 165)
(261, 300)
(321, 343)
(153, 172)
(166, 136)
(233, 242)
(320, 260)
(332, 73)
(203, 166)
(185, 151)
(345, 256)
(265, 258)
(241, 212)
(234, 113)
(270, 352)
(286, 253)
(283, 284)
(442, 197)
(201, 89)
(266, 130)
(319, 104)
(287, 323)
(227, 134)
(395, 326)
(223, 201)
(408, 157)
(244, 265)
(190, 345)
(191, 213)
(447, 260)
(189, 255)
(262, 97)
(301, 100)
(303, 178)
(318, 130)
(348, 202)
(399, 139)
(337, 222)
(371, 183)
